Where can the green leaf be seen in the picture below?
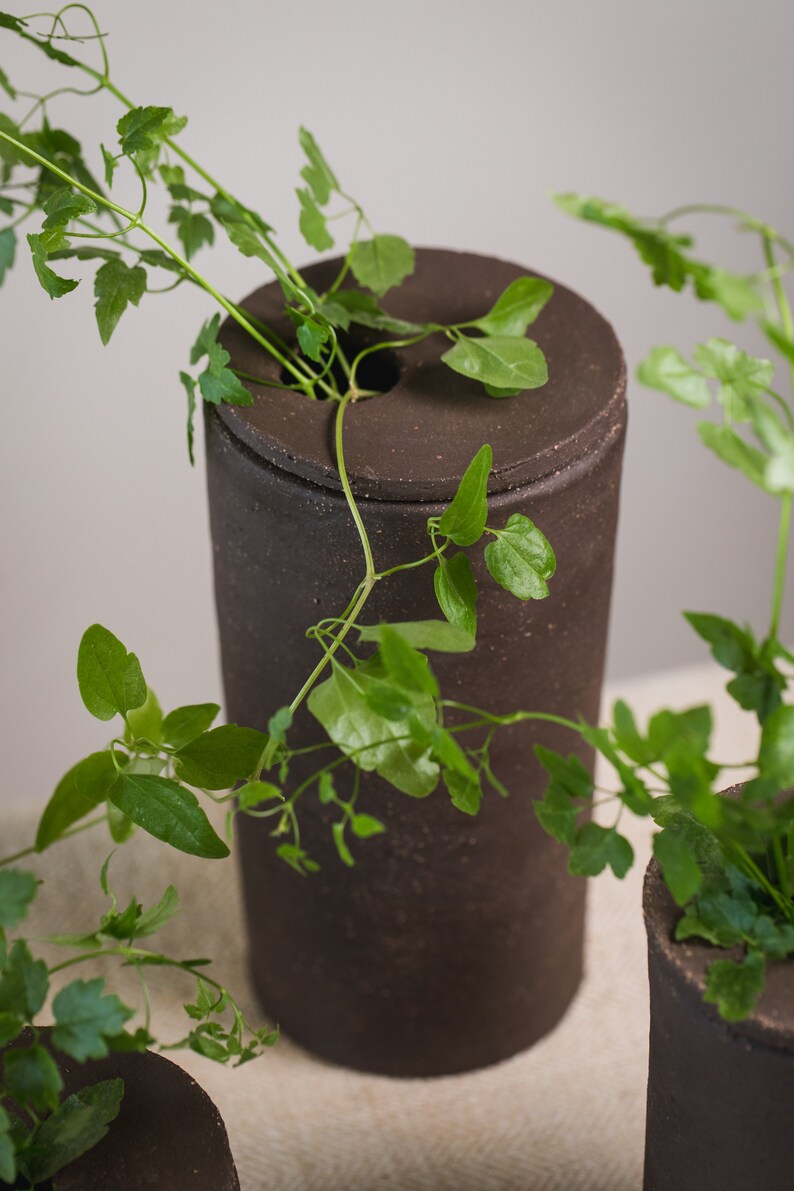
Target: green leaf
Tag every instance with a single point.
(219, 758)
(679, 864)
(569, 774)
(456, 592)
(17, 891)
(16, 24)
(731, 449)
(75, 1127)
(464, 519)
(279, 724)
(64, 205)
(247, 241)
(217, 383)
(738, 296)
(521, 559)
(189, 385)
(169, 812)
(667, 370)
(348, 306)
(147, 127)
(777, 336)
(317, 175)
(404, 665)
(365, 826)
(120, 826)
(11, 1026)
(735, 987)
(153, 919)
(186, 723)
(8, 248)
(596, 847)
(296, 858)
(742, 378)
(110, 678)
(312, 337)
(146, 721)
(556, 814)
(84, 1017)
(517, 307)
(381, 263)
(193, 230)
(466, 793)
(8, 1165)
(503, 362)
(115, 287)
(253, 793)
(759, 684)
(32, 1078)
(73, 800)
(627, 735)
(776, 754)
(779, 441)
(344, 853)
(111, 165)
(23, 983)
(54, 285)
(7, 86)
(373, 741)
(312, 223)
(438, 635)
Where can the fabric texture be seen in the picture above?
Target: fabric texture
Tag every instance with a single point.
(567, 1115)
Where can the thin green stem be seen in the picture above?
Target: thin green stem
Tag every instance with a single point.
(781, 866)
(780, 564)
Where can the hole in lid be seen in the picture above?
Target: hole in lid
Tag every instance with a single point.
(376, 374)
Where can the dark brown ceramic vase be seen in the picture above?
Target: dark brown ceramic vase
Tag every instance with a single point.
(454, 942)
(720, 1094)
(168, 1134)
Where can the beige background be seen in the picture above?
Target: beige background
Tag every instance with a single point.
(450, 121)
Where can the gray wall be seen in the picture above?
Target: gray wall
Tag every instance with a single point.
(450, 121)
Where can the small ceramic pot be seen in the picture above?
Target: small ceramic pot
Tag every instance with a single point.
(720, 1094)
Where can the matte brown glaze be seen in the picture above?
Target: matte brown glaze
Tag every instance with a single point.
(720, 1094)
(454, 942)
(168, 1133)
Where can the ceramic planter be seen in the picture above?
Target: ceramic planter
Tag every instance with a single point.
(720, 1094)
(455, 941)
(168, 1133)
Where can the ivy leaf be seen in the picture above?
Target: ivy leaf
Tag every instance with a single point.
(456, 592)
(466, 793)
(596, 847)
(115, 287)
(742, 378)
(110, 678)
(758, 684)
(297, 858)
(569, 774)
(84, 1017)
(17, 891)
(50, 282)
(557, 814)
(351, 306)
(679, 864)
(8, 248)
(247, 241)
(438, 635)
(312, 223)
(83, 252)
(189, 385)
(502, 362)
(404, 665)
(219, 758)
(365, 826)
(7, 86)
(111, 165)
(147, 127)
(279, 724)
(627, 735)
(312, 337)
(381, 263)
(776, 754)
(256, 792)
(779, 441)
(731, 449)
(735, 987)
(32, 1078)
(23, 983)
(344, 853)
(317, 175)
(521, 559)
(8, 1165)
(63, 205)
(153, 919)
(738, 296)
(16, 24)
(517, 307)
(75, 1127)
(464, 519)
(186, 723)
(217, 383)
(169, 812)
(193, 229)
(69, 803)
(375, 742)
(667, 370)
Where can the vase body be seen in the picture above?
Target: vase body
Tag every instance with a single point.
(720, 1094)
(454, 942)
(168, 1133)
